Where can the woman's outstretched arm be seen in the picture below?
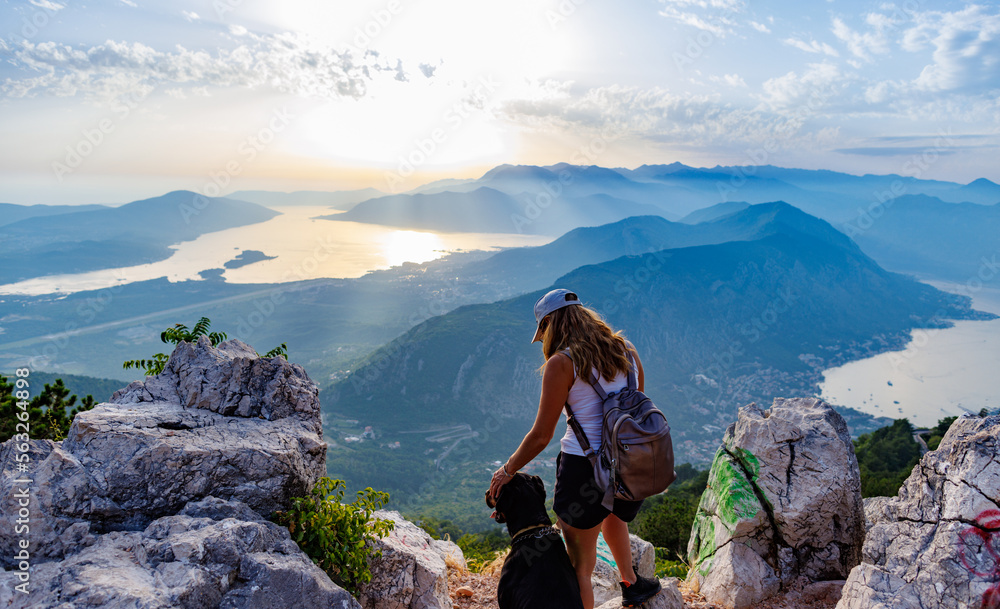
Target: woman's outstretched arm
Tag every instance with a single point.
(556, 381)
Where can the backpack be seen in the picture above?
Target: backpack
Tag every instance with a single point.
(636, 458)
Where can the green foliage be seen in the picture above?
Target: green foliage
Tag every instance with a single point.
(336, 535)
(439, 529)
(886, 456)
(669, 565)
(281, 350)
(936, 434)
(179, 333)
(174, 335)
(665, 520)
(47, 416)
(480, 549)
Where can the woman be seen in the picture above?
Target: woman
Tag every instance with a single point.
(575, 342)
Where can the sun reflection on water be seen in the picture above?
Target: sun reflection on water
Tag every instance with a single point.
(410, 246)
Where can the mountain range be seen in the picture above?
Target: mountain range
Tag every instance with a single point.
(717, 325)
(79, 240)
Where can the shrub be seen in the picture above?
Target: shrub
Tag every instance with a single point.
(49, 414)
(480, 549)
(335, 535)
(667, 566)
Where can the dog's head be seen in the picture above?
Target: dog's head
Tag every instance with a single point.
(521, 503)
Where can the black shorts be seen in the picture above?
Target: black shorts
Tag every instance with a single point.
(577, 499)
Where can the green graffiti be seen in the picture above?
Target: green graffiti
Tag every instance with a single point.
(733, 493)
(734, 499)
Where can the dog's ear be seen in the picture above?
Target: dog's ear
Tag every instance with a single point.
(490, 502)
(536, 484)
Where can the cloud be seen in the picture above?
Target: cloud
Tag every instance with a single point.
(812, 46)
(817, 86)
(865, 45)
(427, 69)
(129, 3)
(48, 5)
(760, 27)
(680, 120)
(966, 55)
(715, 16)
(732, 80)
(237, 30)
(287, 63)
(190, 15)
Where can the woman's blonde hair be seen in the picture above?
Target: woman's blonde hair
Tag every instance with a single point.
(591, 342)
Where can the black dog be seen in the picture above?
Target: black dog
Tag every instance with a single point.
(537, 573)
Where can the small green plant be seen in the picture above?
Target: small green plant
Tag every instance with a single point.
(180, 332)
(481, 549)
(337, 535)
(49, 416)
(669, 567)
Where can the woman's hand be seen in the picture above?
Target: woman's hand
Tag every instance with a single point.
(497, 482)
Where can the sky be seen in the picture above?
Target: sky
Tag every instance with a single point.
(108, 101)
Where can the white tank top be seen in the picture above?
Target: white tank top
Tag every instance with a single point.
(588, 409)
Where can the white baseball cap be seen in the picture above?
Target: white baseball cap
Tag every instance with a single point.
(554, 300)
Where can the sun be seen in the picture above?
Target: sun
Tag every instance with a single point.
(410, 246)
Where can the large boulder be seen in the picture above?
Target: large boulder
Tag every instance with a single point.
(605, 579)
(412, 572)
(783, 505)
(217, 422)
(159, 498)
(214, 553)
(936, 545)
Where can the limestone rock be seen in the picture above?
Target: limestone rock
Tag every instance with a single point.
(163, 443)
(783, 503)
(605, 579)
(668, 598)
(411, 573)
(214, 553)
(936, 545)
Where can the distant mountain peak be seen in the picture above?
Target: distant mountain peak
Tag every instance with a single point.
(983, 183)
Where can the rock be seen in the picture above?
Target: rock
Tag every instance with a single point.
(214, 553)
(879, 510)
(155, 499)
(163, 443)
(605, 579)
(411, 573)
(668, 598)
(783, 503)
(464, 591)
(936, 545)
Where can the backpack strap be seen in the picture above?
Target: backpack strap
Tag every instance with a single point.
(581, 436)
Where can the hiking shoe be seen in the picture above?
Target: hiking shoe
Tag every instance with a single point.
(642, 590)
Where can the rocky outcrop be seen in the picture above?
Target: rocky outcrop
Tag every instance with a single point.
(783, 505)
(606, 578)
(669, 597)
(213, 553)
(936, 545)
(412, 572)
(161, 444)
(157, 498)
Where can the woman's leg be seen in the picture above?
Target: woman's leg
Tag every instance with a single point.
(581, 545)
(616, 535)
